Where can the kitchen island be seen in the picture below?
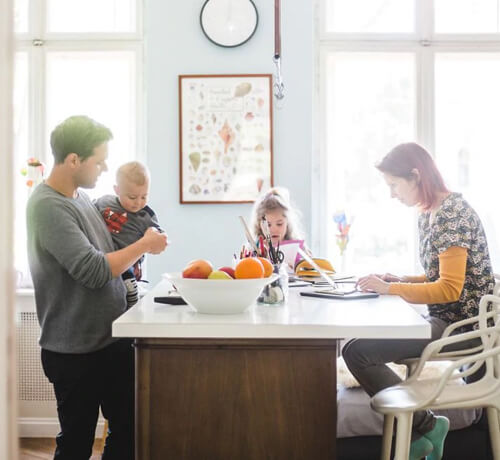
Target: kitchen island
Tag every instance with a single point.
(257, 385)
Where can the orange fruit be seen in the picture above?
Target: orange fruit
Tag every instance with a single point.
(268, 266)
(251, 267)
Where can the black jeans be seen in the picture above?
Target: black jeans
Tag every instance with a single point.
(367, 360)
(83, 383)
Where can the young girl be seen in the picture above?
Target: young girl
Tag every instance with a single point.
(275, 209)
(454, 255)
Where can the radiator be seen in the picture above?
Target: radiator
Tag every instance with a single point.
(36, 400)
(32, 385)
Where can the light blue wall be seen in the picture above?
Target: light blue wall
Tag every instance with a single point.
(176, 45)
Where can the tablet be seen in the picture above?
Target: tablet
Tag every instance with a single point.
(330, 295)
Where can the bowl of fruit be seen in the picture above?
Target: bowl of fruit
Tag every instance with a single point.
(224, 290)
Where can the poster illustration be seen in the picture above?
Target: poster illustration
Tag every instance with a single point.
(225, 137)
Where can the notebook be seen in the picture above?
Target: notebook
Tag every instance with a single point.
(290, 250)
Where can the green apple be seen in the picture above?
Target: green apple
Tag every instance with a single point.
(219, 275)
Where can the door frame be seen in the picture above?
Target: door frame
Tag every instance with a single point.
(8, 394)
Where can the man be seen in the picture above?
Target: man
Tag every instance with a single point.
(79, 293)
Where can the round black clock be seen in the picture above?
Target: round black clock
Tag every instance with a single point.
(229, 23)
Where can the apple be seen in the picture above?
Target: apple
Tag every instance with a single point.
(219, 275)
(199, 268)
(228, 270)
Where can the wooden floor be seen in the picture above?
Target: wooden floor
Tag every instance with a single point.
(43, 449)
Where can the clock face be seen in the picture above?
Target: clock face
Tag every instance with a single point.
(229, 23)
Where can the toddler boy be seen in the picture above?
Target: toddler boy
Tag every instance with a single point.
(128, 216)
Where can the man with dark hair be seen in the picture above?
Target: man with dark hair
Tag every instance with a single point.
(79, 293)
(78, 134)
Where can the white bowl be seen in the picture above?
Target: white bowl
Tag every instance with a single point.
(219, 296)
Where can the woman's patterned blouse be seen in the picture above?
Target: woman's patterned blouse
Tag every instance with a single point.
(456, 224)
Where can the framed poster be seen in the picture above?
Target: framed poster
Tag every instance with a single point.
(225, 131)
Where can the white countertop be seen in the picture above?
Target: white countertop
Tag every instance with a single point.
(302, 317)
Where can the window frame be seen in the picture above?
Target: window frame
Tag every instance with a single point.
(38, 43)
(425, 43)
(37, 142)
(37, 21)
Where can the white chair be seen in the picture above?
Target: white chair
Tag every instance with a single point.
(402, 400)
(411, 363)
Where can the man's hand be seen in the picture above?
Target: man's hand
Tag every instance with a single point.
(155, 241)
(373, 283)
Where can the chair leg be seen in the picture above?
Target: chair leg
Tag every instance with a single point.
(494, 429)
(411, 369)
(387, 437)
(403, 436)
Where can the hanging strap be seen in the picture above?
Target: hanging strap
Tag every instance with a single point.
(277, 30)
(279, 87)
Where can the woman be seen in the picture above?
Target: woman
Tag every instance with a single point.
(454, 254)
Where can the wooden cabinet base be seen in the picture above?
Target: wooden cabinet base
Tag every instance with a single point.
(215, 399)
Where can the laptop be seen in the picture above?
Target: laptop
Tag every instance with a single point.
(334, 292)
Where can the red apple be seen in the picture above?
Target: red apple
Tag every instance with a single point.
(228, 270)
(199, 268)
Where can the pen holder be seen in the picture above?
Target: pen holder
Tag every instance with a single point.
(275, 293)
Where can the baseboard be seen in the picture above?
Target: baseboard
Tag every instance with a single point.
(47, 427)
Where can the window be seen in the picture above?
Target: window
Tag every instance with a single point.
(395, 71)
(467, 114)
(369, 15)
(467, 16)
(70, 61)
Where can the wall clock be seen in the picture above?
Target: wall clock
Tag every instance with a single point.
(229, 23)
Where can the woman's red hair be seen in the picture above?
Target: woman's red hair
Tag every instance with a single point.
(403, 159)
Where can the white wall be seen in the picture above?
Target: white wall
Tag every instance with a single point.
(176, 45)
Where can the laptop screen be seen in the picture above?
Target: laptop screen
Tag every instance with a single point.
(323, 274)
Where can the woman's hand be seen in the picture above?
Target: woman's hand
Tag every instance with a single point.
(390, 278)
(373, 283)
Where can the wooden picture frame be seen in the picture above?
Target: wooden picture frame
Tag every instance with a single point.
(225, 137)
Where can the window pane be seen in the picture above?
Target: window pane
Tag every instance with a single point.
(21, 154)
(467, 134)
(467, 16)
(21, 16)
(369, 15)
(369, 109)
(101, 85)
(91, 15)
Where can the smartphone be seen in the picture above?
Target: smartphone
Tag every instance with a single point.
(171, 300)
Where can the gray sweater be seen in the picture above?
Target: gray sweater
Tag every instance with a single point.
(76, 297)
(134, 224)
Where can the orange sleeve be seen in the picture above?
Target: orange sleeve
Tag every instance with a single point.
(447, 288)
(415, 279)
